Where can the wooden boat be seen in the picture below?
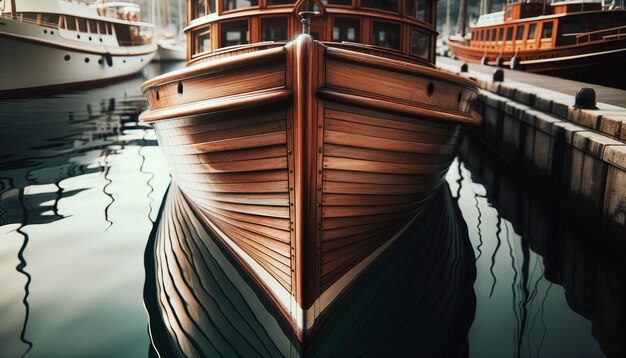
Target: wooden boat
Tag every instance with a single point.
(580, 40)
(52, 45)
(309, 157)
(417, 300)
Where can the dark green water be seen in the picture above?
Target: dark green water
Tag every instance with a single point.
(81, 184)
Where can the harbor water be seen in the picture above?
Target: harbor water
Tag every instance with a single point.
(82, 184)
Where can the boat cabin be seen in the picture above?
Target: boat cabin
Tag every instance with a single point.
(402, 29)
(536, 25)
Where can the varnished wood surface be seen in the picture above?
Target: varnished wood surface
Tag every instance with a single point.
(416, 300)
(305, 183)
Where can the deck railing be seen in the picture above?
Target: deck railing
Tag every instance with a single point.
(614, 33)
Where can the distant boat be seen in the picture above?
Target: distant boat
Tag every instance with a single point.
(580, 40)
(172, 45)
(308, 157)
(50, 45)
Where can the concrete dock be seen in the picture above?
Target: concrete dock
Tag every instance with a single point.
(575, 155)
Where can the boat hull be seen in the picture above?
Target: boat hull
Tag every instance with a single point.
(308, 161)
(40, 65)
(600, 63)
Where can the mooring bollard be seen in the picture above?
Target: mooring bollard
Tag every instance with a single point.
(464, 67)
(585, 98)
(498, 75)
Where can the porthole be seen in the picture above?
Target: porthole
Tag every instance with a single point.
(100, 61)
(67, 57)
(460, 97)
(51, 32)
(158, 97)
(430, 88)
(180, 88)
(86, 59)
(45, 31)
(78, 36)
(89, 38)
(101, 39)
(124, 61)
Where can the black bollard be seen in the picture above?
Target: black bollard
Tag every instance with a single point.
(464, 67)
(498, 75)
(585, 98)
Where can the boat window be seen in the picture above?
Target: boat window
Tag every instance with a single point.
(71, 23)
(386, 34)
(337, 2)
(93, 28)
(279, 2)
(509, 33)
(274, 29)
(493, 34)
(420, 43)
(29, 16)
(62, 22)
(82, 25)
(419, 9)
(234, 33)
(546, 31)
(532, 28)
(501, 34)
(519, 33)
(388, 5)
(238, 4)
(576, 25)
(202, 40)
(347, 29)
(487, 35)
(202, 8)
(49, 19)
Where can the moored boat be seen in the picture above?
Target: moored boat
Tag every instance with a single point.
(580, 40)
(52, 45)
(307, 158)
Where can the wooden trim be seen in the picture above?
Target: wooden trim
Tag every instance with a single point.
(221, 65)
(218, 104)
(392, 106)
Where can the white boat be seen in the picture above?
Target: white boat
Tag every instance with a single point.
(171, 42)
(49, 45)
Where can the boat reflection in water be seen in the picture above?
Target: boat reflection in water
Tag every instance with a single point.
(538, 259)
(417, 299)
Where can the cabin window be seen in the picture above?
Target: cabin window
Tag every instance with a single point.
(234, 33)
(493, 34)
(279, 2)
(93, 28)
(532, 28)
(202, 8)
(388, 5)
(29, 16)
(419, 9)
(501, 34)
(71, 23)
(576, 25)
(337, 2)
(509, 33)
(347, 29)
(62, 22)
(386, 34)
(82, 25)
(487, 33)
(49, 19)
(519, 33)
(546, 31)
(274, 29)
(202, 40)
(238, 4)
(420, 43)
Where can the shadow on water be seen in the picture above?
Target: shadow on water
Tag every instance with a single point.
(554, 248)
(416, 300)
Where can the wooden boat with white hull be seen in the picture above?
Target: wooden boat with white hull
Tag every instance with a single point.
(54, 45)
(580, 40)
(307, 158)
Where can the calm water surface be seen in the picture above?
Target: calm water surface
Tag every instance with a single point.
(81, 184)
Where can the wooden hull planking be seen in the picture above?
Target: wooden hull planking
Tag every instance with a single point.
(307, 160)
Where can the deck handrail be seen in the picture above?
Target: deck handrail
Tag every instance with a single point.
(603, 35)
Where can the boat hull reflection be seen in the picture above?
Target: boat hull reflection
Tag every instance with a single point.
(417, 299)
